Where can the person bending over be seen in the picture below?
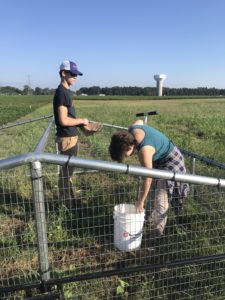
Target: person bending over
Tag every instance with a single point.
(154, 150)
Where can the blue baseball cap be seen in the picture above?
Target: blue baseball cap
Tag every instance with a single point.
(68, 65)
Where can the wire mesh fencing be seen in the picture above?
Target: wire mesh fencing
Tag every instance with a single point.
(22, 137)
(51, 242)
(80, 237)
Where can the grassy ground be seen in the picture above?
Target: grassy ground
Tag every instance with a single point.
(14, 107)
(83, 244)
(197, 125)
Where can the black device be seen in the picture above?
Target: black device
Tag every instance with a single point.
(149, 113)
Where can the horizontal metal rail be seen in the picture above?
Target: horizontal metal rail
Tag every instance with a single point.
(24, 122)
(98, 165)
(186, 152)
(107, 166)
(204, 159)
(128, 270)
(110, 125)
(122, 271)
(42, 142)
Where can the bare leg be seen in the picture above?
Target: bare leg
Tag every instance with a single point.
(159, 215)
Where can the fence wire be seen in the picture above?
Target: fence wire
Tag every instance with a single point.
(80, 233)
(187, 262)
(186, 282)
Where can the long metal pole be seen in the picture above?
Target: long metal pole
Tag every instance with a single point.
(42, 142)
(107, 166)
(110, 125)
(40, 218)
(186, 152)
(139, 177)
(24, 122)
(193, 172)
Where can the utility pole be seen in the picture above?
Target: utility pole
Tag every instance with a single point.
(29, 90)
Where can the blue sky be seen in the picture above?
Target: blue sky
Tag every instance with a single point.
(113, 42)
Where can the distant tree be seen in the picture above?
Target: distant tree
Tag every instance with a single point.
(83, 90)
(119, 91)
(45, 91)
(38, 91)
(94, 90)
(27, 90)
(10, 90)
(106, 91)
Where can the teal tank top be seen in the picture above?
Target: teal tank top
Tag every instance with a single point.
(153, 137)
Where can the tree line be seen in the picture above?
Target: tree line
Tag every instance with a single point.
(150, 91)
(118, 91)
(9, 90)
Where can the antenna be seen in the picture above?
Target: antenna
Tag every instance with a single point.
(29, 90)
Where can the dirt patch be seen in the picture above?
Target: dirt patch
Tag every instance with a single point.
(10, 224)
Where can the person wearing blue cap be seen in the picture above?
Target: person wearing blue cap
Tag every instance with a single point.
(66, 123)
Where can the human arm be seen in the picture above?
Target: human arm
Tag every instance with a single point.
(91, 128)
(65, 120)
(145, 157)
(138, 122)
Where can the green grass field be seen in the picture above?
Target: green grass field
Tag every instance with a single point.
(14, 107)
(197, 125)
(193, 124)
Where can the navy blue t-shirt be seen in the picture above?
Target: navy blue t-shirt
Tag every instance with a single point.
(63, 97)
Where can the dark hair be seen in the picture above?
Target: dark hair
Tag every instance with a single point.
(60, 73)
(65, 71)
(120, 143)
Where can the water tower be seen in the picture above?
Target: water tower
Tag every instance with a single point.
(159, 83)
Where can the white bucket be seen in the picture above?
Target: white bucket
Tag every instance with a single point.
(128, 226)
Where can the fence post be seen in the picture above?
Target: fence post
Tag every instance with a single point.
(193, 173)
(40, 217)
(139, 177)
(193, 165)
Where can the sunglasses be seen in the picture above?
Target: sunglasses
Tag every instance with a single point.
(71, 74)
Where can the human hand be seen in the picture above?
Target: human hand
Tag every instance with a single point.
(91, 128)
(139, 205)
(85, 121)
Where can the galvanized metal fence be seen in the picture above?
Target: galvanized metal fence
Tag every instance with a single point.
(64, 250)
